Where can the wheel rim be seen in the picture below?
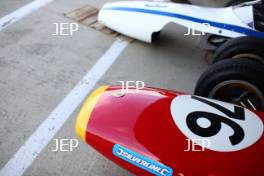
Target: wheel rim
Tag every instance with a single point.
(238, 92)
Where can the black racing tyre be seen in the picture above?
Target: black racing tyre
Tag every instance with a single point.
(241, 47)
(238, 81)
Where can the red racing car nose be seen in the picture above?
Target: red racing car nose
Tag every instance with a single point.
(161, 132)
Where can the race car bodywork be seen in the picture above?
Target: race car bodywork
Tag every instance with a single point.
(141, 19)
(153, 131)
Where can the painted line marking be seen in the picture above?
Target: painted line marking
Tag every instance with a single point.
(21, 12)
(28, 152)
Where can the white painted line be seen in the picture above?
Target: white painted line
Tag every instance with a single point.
(28, 152)
(21, 12)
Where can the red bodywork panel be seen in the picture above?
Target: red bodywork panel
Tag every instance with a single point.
(143, 123)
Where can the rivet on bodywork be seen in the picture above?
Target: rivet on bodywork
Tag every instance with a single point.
(119, 94)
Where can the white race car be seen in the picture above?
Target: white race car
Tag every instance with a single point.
(236, 32)
(142, 19)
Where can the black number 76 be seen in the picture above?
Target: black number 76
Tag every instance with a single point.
(216, 121)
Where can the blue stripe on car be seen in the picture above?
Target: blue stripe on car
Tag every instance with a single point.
(230, 27)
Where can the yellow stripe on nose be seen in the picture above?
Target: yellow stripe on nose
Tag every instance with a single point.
(86, 110)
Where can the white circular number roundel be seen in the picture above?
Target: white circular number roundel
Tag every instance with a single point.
(227, 127)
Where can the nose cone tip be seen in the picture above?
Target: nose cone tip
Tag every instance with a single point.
(86, 110)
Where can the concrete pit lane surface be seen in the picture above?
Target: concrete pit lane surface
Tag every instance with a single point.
(40, 74)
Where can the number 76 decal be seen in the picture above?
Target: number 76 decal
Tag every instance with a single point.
(228, 127)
